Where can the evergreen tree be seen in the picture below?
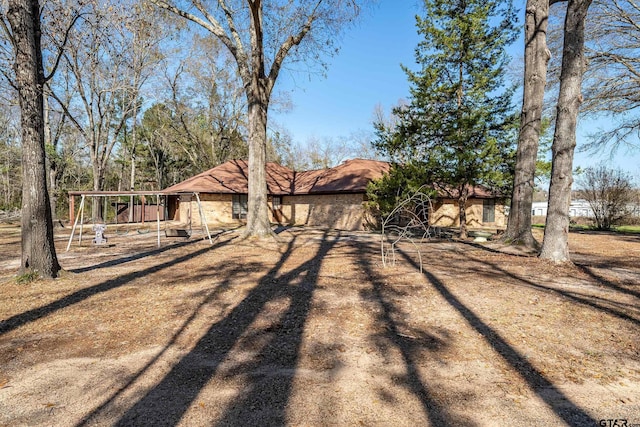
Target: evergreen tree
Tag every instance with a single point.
(459, 126)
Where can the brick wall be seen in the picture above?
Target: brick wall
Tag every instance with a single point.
(216, 208)
(339, 211)
(446, 214)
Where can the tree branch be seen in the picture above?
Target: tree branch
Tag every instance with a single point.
(61, 48)
(68, 114)
(292, 41)
(7, 32)
(213, 26)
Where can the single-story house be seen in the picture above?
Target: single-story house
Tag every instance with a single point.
(331, 198)
(577, 208)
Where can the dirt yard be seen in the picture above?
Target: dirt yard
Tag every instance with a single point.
(311, 330)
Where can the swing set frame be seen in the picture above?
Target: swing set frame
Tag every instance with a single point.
(158, 195)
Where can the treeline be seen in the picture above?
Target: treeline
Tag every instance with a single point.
(139, 101)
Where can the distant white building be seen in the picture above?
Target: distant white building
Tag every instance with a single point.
(578, 208)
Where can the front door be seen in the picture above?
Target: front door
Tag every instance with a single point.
(276, 203)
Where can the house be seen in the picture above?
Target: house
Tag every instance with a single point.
(331, 198)
(577, 208)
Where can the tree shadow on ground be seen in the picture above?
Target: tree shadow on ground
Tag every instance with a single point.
(32, 315)
(409, 342)
(130, 258)
(588, 300)
(268, 375)
(145, 254)
(591, 301)
(209, 297)
(560, 404)
(589, 271)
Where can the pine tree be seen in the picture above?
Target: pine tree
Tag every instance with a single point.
(459, 125)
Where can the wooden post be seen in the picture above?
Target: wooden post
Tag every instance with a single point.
(158, 216)
(143, 210)
(72, 200)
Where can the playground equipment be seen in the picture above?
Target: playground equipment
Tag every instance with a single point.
(100, 228)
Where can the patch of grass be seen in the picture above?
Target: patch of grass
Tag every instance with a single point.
(578, 227)
(27, 278)
(627, 229)
(634, 229)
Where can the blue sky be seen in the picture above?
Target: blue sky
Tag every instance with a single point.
(367, 73)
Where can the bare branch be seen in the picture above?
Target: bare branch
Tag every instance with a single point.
(213, 26)
(292, 41)
(7, 31)
(62, 46)
(68, 114)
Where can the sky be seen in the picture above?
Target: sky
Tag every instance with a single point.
(367, 72)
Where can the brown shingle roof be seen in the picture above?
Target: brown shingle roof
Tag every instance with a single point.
(231, 177)
(351, 176)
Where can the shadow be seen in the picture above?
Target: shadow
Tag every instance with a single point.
(495, 251)
(268, 374)
(581, 265)
(32, 315)
(280, 228)
(553, 397)
(410, 345)
(604, 282)
(90, 418)
(575, 297)
(135, 257)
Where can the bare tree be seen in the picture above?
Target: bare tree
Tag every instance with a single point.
(612, 78)
(535, 76)
(260, 35)
(10, 175)
(38, 250)
(610, 194)
(109, 59)
(555, 244)
(208, 107)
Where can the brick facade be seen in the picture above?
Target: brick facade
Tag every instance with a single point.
(337, 211)
(446, 214)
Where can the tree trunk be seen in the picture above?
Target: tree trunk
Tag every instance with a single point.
(257, 209)
(98, 183)
(555, 246)
(535, 76)
(462, 206)
(52, 165)
(38, 250)
(132, 180)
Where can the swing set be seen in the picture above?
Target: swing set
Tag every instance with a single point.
(161, 199)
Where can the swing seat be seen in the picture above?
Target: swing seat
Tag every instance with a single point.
(99, 230)
(177, 232)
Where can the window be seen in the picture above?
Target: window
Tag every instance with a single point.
(239, 209)
(488, 210)
(276, 202)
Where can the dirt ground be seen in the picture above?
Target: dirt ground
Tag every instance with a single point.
(312, 330)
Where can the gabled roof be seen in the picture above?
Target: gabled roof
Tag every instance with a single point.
(351, 176)
(477, 192)
(232, 177)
